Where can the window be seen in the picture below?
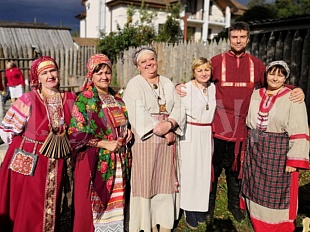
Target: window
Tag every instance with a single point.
(210, 7)
(209, 33)
(191, 6)
(191, 33)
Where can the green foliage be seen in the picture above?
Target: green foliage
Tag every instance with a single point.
(259, 12)
(141, 32)
(171, 31)
(279, 9)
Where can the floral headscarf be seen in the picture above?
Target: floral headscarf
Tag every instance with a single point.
(38, 66)
(141, 49)
(92, 63)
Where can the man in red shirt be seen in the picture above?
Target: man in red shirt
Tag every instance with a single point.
(235, 75)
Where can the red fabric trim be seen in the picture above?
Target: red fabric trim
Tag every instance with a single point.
(260, 226)
(271, 100)
(304, 164)
(199, 124)
(299, 136)
(294, 196)
(242, 204)
(226, 138)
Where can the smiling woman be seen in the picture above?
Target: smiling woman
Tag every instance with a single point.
(157, 119)
(99, 134)
(36, 172)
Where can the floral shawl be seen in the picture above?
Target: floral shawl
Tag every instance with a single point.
(89, 121)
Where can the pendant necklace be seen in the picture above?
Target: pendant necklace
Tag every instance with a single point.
(202, 92)
(156, 88)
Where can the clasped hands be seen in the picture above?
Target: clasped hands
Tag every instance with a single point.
(115, 145)
(163, 128)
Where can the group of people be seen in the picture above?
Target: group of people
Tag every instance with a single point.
(99, 162)
(260, 138)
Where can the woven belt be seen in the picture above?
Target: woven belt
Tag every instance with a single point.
(199, 124)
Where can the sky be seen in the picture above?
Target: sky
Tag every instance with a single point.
(52, 12)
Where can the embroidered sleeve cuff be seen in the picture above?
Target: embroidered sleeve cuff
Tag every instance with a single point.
(302, 164)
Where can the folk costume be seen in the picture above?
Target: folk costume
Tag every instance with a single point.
(278, 137)
(15, 81)
(100, 175)
(35, 193)
(154, 197)
(196, 148)
(234, 78)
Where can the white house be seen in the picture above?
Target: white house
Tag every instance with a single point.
(200, 19)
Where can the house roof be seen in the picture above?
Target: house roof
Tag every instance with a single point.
(34, 35)
(85, 41)
(13, 24)
(290, 23)
(237, 9)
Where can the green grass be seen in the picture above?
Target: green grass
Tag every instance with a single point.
(225, 222)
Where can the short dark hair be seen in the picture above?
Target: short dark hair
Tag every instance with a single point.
(238, 26)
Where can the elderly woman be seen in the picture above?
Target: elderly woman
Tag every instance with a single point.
(157, 117)
(34, 175)
(278, 145)
(98, 133)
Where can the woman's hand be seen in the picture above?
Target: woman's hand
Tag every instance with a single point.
(112, 145)
(127, 136)
(180, 88)
(164, 127)
(170, 138)
(297, 95)
(290, 169)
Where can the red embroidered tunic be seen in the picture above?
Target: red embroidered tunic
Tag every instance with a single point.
(234, 78)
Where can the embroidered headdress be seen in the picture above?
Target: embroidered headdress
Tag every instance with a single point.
(279, 62)
(92, 64)
(139, 50)
(38, 66)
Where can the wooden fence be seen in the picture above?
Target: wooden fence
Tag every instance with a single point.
(72, 62)
(175, 60)
(293, 46)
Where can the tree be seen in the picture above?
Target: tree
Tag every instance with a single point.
(259, 12)
(171, 31)
(132, 35)
(142, 31)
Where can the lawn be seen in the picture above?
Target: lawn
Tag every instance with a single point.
(224, 221)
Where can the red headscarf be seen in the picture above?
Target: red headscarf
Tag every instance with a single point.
(37, 67)
(92, 63)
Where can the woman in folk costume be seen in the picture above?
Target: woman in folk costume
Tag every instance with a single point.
(35, 176)
(157, 118)
(99, 135)
(197, 143)
(278, 145)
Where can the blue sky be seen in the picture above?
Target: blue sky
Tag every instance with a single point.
(52, 12)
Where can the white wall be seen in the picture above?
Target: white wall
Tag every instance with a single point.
(90, 27)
